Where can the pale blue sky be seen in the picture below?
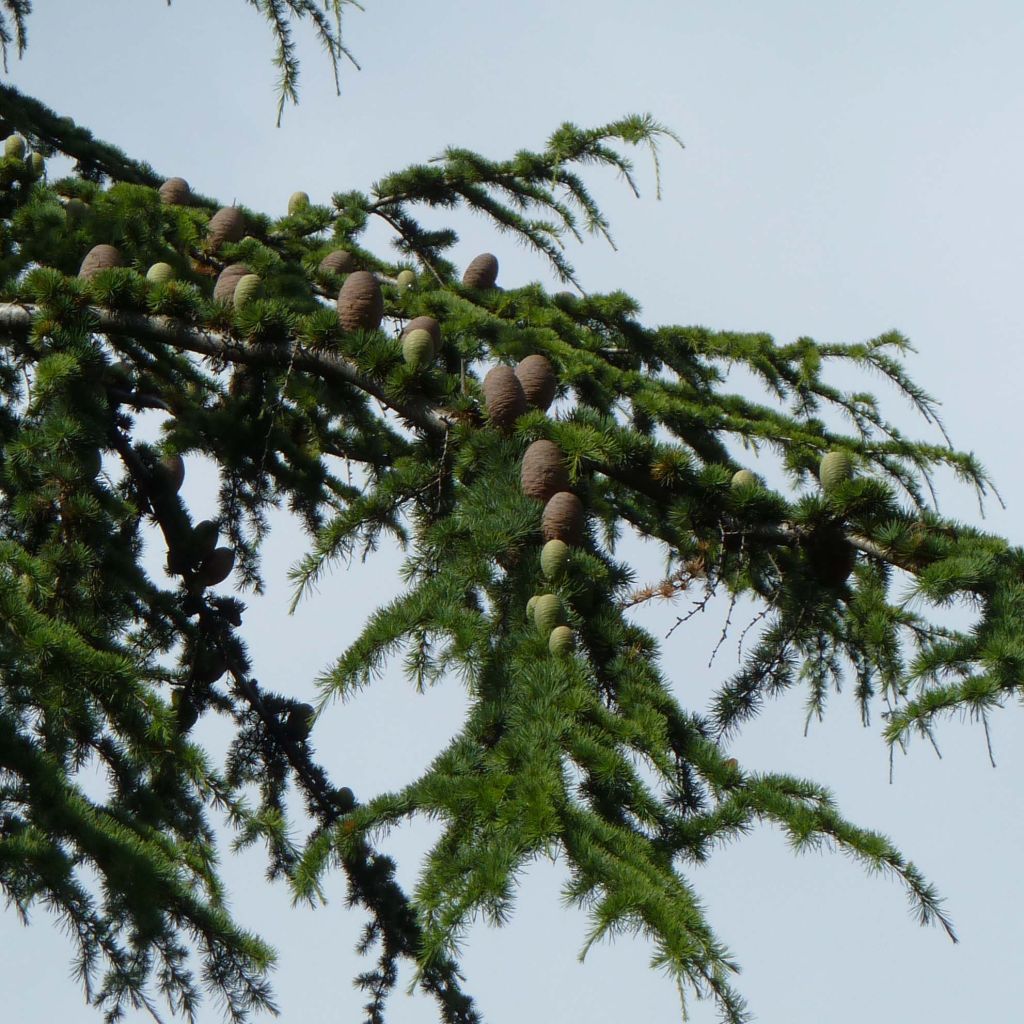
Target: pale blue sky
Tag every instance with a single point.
(849, 168)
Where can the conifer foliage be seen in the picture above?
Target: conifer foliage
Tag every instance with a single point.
(505, 437)
(281, 17)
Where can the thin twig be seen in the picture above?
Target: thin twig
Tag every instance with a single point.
(725, 629)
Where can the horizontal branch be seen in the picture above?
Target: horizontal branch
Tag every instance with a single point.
(16, 320)
(791, 535)
(782, 534)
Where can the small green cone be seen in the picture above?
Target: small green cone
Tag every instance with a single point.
(14, 145)
(298, 202)
(531, 606)
(560, 642)
(160, 273)
(75, 211)
(418, 348)
(743, 478)
(836, 468)
(405, 280)
(36, 164)
(553, 558)
(547, 613)
(248, 288)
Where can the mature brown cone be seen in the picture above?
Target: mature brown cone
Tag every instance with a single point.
(175, 192)
(482, 271)
(563, 518)
(544, 472)
(360, 302)
(831, 556)
(173, 468)
(503, 396)
(226, 225)
(428, 324)
(537, 377)
(224, 289)
(340, 261)
(204, 538)
(209, 666)
(299, 722)
(100, 257)
(216, 567)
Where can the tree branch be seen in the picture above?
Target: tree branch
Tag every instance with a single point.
(16, 320)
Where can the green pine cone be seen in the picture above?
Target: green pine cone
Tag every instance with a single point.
(547, 613)
(298, 202)
(75, 211)
(561, 641)
(160, 273)
(418, 348)
(553, 558)
(836, 468)
(248, 288)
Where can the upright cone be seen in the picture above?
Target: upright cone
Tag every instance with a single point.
(503, 397)
(836, 468)
(99, 257)
(226, 225)
(482, 271)
(298, 202)
(338, 261)
(563, 518)
(175, 192)
(227, 282)
(360, 302)
(544, 472)
(428, 324)
(537, 377)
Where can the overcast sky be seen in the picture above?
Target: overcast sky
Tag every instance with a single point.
(846, 171)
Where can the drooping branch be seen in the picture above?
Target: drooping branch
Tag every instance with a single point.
(324, 15)
(371, 876)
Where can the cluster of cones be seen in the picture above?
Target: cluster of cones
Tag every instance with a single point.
(360, 302)
(15, 150)
(508, 394)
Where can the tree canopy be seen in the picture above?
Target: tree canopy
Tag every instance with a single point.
(283, 350)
